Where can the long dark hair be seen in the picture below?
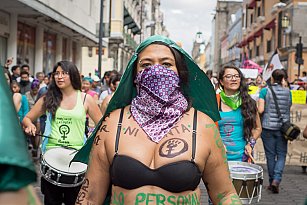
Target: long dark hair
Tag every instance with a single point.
(248, 106)
(181, 67)
(54, 95)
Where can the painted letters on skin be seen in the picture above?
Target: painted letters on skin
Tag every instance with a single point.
(157, 199)
(160, 199)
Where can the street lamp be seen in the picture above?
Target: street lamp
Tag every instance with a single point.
(285, 21)
(141, 21)
(100, 38)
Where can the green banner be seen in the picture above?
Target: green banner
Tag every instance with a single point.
(17, 169)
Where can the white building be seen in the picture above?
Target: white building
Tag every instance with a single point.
(130, 22)
(42, 32)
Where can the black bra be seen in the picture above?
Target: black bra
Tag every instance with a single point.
(176, 177)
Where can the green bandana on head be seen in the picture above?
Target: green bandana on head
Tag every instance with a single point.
(233, 101)
(199, 90)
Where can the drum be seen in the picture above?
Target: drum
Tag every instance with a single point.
(247, 180)
(55, 168)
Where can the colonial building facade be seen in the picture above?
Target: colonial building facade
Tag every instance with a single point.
(131, 21)
(41, 32)
(254, 29)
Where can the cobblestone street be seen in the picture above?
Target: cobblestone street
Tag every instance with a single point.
(293, 188)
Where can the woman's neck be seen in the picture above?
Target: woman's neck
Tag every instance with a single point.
(230, 92)
(68, 91)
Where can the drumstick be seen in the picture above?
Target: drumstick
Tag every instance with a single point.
(70, 147)
(41, 135)
(36, 134)
(251, 157)
(74, 152)
(46, 137)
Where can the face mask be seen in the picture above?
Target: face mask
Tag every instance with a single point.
(159, 103)
(24, 82)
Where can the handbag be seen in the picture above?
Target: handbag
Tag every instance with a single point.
(288, 129)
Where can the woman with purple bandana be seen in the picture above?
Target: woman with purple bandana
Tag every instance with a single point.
(158, 138)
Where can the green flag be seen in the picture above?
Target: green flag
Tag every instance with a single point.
(199, 90)
(16, 166)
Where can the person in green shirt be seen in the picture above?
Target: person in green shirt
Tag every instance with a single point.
(66, 107)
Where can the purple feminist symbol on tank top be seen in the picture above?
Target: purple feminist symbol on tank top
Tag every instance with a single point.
(228, 129)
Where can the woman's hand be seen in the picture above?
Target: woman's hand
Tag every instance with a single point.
(9, 61)
(32, 116)
(30, 129)
(248, 149)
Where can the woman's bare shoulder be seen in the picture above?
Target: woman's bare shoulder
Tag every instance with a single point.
(116, 113)
(202, 117)
(17, 96)
(108, 129)
(112, 119)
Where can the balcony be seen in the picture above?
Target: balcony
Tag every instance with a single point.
(131, 22)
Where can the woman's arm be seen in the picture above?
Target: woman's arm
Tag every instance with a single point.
(216, 174)
(17, 101)
(34, 113)
(305, 132)
(261, 101)
(93, 109)
(104, 104)
(256, 132)
(96, 98)
(95, 186)
(261, 104)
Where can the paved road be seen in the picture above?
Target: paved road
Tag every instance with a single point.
(293, 189)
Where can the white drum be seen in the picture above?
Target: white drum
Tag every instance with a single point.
(55, 168)
(247, 180)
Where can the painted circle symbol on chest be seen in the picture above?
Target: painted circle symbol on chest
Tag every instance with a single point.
(173, 147)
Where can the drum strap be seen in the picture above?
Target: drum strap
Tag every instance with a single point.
(194, 135)
(119, 127)
(47, 132)
(84, 98)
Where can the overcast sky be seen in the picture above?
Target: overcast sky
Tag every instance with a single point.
(184, 18)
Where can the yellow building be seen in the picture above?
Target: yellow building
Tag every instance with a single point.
(270, 25)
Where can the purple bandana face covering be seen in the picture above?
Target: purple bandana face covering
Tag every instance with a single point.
(159, 104)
